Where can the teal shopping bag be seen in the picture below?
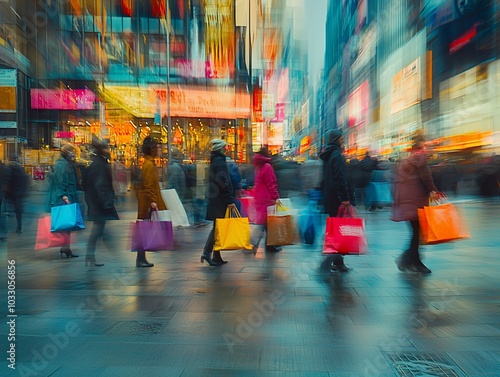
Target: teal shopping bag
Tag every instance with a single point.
(66, 217)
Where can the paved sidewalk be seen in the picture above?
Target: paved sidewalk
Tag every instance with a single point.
(263, 315)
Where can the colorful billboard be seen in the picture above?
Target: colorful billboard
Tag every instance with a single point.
(62, 99)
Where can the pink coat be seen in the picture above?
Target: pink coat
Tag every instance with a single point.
(265, 190)
(413, 184)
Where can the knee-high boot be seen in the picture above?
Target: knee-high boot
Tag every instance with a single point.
(141, 260)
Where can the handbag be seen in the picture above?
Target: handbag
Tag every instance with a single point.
(67, 217)
(280, 226)
(152, 235)
(232, 232)
(441, 222)
(45, 239)
(345, 234)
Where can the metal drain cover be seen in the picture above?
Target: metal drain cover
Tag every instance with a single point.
(135, 328)
(423, 365)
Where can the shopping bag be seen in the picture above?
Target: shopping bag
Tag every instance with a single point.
(152, 235)
(45, 239)
(67, 217)
(177, 211)
(280, 226)
(345, 234)
(248, 208)
(441, 223)
(309, 223)
(232, 232)
(378, 193)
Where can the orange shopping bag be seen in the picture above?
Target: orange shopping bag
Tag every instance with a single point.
(441, 223)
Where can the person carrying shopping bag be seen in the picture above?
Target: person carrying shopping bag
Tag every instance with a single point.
(220, 196)
(337, 189)
(62, 188)
(148, 191)
(413, 185)
(265, 195)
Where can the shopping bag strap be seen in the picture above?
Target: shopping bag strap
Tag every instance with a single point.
(347, 211)
(439, 200)
(232, 212)
(280, 207)
(154, 216)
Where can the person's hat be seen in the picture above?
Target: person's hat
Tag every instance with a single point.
(217, 144)
(334, 135)
(98, 143)
(68, 148)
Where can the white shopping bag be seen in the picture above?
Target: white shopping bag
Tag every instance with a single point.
(164, 216)
(178, 214)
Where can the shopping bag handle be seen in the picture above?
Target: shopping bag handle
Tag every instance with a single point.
(280, 207)
(154, 216)
(232, 212)
(347, 211)
(440, 199)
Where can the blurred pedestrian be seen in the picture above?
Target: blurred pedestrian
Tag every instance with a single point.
(336, 187)
(99, 195)
(413, 185)
(220, 196)
(176, 175)
(62, 188)
(148, 191)
(265, 195)
(4, 177)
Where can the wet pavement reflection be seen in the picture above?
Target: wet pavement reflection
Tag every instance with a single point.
(260, 315)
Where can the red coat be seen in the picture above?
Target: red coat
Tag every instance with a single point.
(412, 185)
(265, 190)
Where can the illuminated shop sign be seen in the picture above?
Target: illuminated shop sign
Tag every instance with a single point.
(358, 105)
(189, 103)
(8, 83)
(406, 87)
(62, 99)
(463, 40)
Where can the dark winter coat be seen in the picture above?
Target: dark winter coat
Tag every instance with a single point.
(412, 185)
(99, 193)
(336, 184)
(17, 181)
(62, 183)
(265, 191)
(176, 178)
(220, 190)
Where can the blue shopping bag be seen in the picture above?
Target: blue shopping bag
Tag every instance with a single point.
(309, 223)
(66, 217)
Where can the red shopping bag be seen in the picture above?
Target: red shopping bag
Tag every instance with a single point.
(345, 235)
(46, 239)
(248, 208)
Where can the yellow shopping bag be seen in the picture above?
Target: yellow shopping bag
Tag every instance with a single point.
(232, 232)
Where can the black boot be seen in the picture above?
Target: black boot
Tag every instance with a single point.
(218, 259)
(206, 257)
(141, 260)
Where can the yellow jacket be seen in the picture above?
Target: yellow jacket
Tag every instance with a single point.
(149, 190)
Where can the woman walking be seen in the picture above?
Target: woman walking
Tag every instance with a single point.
(265, 194)
(148, 191)
(220, 196)
(99, 195)
(62, 189)
(413, 186)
